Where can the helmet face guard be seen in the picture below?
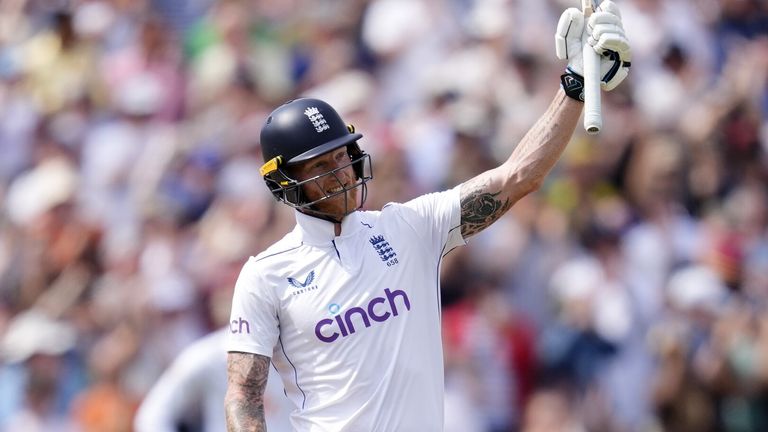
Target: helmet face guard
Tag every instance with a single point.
(298, 131)
(289, 190)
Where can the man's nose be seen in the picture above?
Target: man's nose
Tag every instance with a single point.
(342, 170)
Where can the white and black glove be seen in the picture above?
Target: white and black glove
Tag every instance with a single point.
(605, 33)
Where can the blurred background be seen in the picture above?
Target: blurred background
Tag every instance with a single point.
(628, 294)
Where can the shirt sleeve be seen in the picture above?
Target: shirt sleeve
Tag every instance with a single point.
(437, 217)
(253, 322)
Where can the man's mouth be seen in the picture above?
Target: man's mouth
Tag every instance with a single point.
(335, 190)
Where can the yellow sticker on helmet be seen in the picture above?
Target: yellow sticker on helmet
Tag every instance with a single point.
(271, 165)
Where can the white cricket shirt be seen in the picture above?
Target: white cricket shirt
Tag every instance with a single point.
(352, 323)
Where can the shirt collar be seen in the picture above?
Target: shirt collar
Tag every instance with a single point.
(320, 231)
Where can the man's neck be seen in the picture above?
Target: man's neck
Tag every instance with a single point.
(336, 223)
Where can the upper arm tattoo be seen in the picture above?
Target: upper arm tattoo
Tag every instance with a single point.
(247, 379)
(480, 206)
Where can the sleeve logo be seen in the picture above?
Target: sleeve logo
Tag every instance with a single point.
(239, 325)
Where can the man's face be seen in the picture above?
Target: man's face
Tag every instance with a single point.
(327, 185)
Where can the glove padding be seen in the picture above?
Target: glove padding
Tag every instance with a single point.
(605, 33)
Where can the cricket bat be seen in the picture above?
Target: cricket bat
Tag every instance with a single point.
(593, 117)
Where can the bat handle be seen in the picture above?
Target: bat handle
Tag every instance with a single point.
(593, 117)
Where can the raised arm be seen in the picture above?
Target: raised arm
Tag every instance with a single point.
(244, 402)
(485, 198)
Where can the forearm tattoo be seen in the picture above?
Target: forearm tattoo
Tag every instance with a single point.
(244, 404)
(480, 207)
(485, 198)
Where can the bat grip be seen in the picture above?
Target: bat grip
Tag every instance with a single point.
(593, 118)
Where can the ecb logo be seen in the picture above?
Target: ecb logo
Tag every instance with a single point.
(316, 117)
(385, 251)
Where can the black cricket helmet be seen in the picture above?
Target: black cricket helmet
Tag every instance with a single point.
(302, 129)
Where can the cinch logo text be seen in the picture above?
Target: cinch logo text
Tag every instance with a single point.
(379, 309)
(239, 326)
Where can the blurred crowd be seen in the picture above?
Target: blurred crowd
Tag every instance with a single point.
(628, 294)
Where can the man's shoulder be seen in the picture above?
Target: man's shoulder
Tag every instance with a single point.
(389, 213)
(393, 218)
(425, 198)
(415, 206)
(284, 247)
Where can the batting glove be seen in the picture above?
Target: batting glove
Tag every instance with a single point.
(605, 33)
